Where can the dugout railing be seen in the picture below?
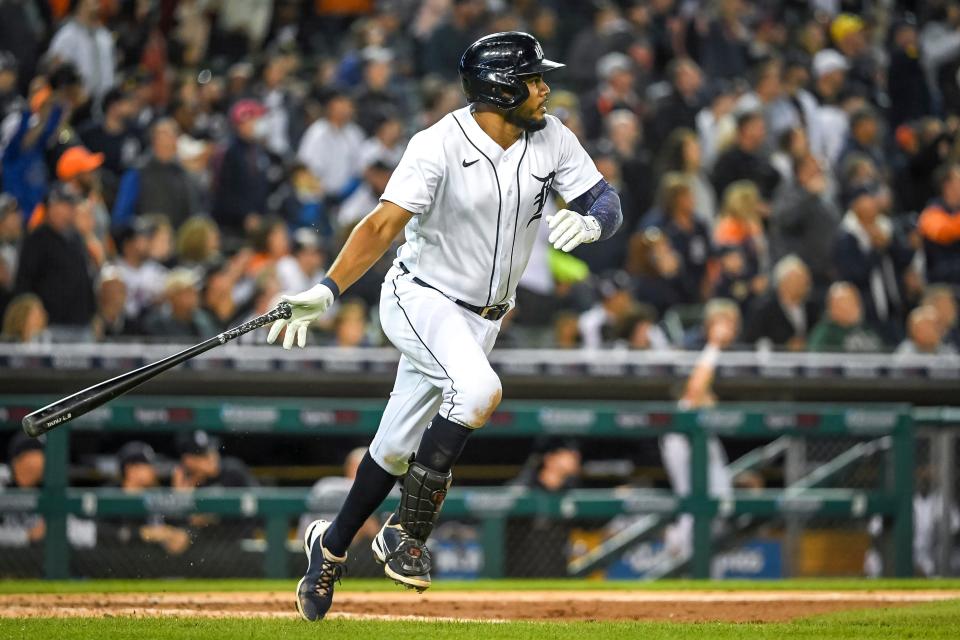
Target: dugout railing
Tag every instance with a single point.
(490, 506)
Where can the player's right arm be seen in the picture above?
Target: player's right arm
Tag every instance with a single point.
(367, 243)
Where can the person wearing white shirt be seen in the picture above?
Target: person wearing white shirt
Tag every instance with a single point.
(331, 148)
(89, 46)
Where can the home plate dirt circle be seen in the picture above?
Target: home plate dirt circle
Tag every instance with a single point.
(489, 606)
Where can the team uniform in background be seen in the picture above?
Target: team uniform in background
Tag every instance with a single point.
(477, 211)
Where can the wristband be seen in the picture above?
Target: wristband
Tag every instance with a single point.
(330, 284)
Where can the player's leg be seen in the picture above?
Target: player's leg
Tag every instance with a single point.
(449, 345)
(412, 402)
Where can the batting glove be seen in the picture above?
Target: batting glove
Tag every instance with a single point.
(307, 307)
(570, 230)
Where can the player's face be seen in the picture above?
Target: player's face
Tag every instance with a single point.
(530, 116)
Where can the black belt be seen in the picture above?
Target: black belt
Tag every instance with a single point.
(493, 312)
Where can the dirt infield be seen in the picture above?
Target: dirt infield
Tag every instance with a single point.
(493, 606)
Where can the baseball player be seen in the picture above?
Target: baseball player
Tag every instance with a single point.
(469, 194)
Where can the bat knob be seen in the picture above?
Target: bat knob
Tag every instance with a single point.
(284, 310)
(31, 426)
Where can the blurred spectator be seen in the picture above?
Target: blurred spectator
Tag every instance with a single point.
(305, 266)
(717, 311)
(554, 467)
(218, 294)
(179, 314)
(277, 102)
(796, 80)
(266, 290)
(745, 159)
(864, 138)
(271, 242)
(242, 184)
(868, 256)
(143, 278)
(450, 39)
(566, 331)
(115, 135)
(943, 299)
(375, 98)
(54, 265)
(615, 92)
(367, 195)
(26, 458)
(25, 319)
(768, 99)
(716, 123)
(720, 42)
(160, 239)
(804, 223)
(599, 324)
(784, 316)
(137, 463)
(159, 185)
(831, 122)
(85, 42)
(9, 94)
(198, 242)
(386, 142)
(742, 247)
(11, 235)
(638, 330)
(624, 133)
(37, 126)
(847, 32)
(655, 268)
(300, 199)
(939, 225)
(79, 169)
(681, 153)
(23, 30)
(721, 331)
(331, 148)
(842, 328)
(794, 146)
(201, 464)
(909, 93)
(925, 334)
(350, 325)
(111, 321)
(688, 237)
(679, 107)
(23, 528)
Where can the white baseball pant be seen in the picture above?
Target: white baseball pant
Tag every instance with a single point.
(443, 367)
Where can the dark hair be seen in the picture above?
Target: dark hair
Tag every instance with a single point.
(943, 172)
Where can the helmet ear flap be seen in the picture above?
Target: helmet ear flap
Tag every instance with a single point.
(503, 90)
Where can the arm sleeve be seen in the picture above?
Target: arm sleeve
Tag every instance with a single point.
(576, 172)
(602, 202)
(125, 205)
(414, 183)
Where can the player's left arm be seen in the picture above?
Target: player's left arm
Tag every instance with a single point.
(595, 215)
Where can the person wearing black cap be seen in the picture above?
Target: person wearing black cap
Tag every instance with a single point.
(598, 325)
(26, 459)
(201, 464)
(54, 264)
(537, 547)
(114, 135)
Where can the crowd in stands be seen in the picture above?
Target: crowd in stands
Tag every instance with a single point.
(170, 167)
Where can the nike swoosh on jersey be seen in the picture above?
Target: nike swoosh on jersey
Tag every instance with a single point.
(467, 164)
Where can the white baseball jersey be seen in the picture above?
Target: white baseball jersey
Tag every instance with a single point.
(477, 206)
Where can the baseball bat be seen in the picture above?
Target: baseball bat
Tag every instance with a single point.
(66, 409)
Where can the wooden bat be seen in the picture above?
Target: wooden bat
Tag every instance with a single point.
(66, 409)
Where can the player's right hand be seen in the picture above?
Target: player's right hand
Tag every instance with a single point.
(307, 307)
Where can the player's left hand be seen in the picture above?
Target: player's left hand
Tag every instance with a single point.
(570, 230)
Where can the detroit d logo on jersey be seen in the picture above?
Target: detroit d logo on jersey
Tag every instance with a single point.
(546, 183)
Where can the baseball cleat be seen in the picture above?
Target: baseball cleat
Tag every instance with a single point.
(405, 559)
(315, 589)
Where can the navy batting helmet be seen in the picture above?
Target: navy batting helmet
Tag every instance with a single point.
(493, 67)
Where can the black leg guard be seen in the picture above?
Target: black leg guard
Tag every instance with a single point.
(422, 496)
(401, 543)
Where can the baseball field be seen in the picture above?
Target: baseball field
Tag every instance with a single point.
(235, 609)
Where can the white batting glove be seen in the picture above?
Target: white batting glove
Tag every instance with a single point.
(307, 307)
(570, 230)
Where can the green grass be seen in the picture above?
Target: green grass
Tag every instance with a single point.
(174, 586)
(928, 621)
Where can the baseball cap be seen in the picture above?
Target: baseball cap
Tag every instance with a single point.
(614, 282)
(196, 443)
(245, 110)
(827, 61)
(613, 62)
(20, 443)
(845, 25)
(77, 160)
(63, 192)
(135, 452)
